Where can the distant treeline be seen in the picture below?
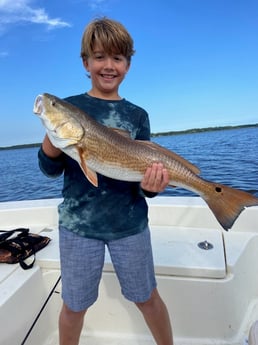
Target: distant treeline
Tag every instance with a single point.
(24, 146)
(199, 130)
(187, 131)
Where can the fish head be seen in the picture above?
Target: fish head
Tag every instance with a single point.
(61, 124)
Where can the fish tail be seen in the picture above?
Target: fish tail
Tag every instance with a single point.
(227, 203)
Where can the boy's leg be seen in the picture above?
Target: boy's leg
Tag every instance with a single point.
(82, 262)
(157, 318)
(133, 262)
(70, 326)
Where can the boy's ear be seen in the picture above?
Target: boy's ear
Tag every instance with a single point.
(85, 64)
(128, 66)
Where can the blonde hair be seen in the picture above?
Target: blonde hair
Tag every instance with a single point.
(111, 35)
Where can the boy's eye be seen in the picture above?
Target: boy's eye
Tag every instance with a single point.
(118, 58)
(99, 57)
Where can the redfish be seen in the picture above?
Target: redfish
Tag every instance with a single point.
(111, 152)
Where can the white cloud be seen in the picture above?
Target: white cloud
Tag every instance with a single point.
(18, 11)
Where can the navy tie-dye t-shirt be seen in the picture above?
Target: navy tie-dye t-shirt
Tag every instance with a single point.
(114, 209)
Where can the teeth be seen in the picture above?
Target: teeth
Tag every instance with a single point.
(107, 76)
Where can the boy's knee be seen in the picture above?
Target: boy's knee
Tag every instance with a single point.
(71, 315)
(152, 303)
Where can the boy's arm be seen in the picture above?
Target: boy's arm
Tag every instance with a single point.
(51, 159)
(49, 149)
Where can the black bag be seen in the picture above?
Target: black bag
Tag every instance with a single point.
(16, 249)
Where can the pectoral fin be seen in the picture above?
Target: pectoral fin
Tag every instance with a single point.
(90, 174)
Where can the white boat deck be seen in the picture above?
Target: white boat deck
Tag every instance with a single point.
(211, 294)
(176, 252)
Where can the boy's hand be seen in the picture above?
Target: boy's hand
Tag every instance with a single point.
(155, 179)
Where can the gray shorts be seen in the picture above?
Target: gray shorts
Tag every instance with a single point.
(82, 261)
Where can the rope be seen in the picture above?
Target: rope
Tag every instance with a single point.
(40, 312)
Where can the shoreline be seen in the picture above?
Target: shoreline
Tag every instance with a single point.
(153, 135)
(200, 130)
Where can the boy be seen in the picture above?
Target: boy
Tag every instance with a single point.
(115, 213)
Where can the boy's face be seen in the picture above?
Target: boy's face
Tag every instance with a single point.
(106, 71)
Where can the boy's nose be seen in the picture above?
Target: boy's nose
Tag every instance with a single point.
(108, 63)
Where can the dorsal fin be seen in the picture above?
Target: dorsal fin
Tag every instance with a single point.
(122, 132)
(171, 154)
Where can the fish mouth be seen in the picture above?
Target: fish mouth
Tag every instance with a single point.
(38, 107)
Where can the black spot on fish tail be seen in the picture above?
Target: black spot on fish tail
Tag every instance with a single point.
(218, 189)
(227, 203)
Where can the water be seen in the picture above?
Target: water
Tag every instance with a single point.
(21, 178)
(228, 156)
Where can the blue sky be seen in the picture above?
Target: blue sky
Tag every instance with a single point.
(196, 61)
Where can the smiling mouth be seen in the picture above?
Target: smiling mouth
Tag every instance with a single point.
(108, 76)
